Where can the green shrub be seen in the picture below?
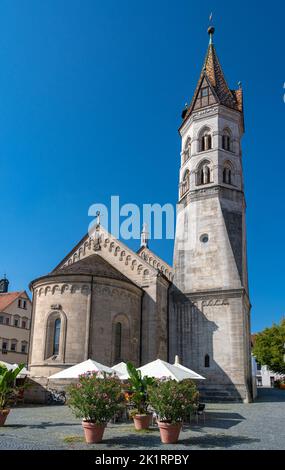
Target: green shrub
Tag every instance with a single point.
(171, 400)
(95, 398)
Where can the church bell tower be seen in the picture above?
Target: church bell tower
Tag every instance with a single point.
(209, 321)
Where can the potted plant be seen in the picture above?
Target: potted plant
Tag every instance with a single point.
(172, 401)
(96, 398)
(282, 384)
(139, 396)
(8, 389)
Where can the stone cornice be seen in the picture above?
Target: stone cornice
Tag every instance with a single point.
(212, 294)
(209, 111)
(205, 193)
(75, 282)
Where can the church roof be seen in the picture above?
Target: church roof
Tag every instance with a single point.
(94, 265)
(213, 74)
(149, 256)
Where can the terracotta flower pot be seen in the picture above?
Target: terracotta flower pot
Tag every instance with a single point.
(93, 432)
(282, 386)
(3, 416)
(169, 432)
(142, 421)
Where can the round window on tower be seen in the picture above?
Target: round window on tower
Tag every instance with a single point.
(204, 238)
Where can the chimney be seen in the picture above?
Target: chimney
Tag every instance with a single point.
(4, 283)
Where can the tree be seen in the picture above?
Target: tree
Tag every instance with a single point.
(269, 347)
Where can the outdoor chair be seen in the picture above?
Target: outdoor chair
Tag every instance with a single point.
(199, 410)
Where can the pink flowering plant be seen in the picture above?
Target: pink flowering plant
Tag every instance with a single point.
(95, 398)
(172, 401)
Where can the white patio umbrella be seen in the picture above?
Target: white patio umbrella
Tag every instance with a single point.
(120, 369)
(159, 369)
(81, 368)
(9, 366)
(194, 375)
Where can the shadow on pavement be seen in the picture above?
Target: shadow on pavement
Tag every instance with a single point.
(222, 441)
(217, 420)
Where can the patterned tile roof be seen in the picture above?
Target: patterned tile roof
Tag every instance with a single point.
(214, 75)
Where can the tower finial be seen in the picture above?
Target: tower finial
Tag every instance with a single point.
(98, 218)
(211, 29)
(144, 236)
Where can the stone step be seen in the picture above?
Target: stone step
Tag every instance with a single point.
(219, 396)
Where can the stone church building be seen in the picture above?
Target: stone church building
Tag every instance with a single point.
(107, 302)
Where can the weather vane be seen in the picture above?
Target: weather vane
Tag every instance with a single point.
(211, 28)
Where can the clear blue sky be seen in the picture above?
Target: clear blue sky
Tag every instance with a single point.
(91, 94)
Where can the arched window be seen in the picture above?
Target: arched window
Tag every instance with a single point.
(205, 140)
(204, 173)
(185, 185)
(187, 150)
(226, 140)
(118, 342)
(227, 173)
(207, 361)
(56, 337)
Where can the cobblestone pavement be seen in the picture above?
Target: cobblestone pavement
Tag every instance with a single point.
(259, 425)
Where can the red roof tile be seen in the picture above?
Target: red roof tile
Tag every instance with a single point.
(9, 297)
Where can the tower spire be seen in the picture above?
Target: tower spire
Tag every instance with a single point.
(212, 75)
(144, 236)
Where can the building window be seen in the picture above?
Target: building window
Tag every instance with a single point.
(226, 140)
(259, 381)
(205, 142)
(55, 333)
(16, 322)
(1, 320)
(187, 150)
(118, 342)
(7, 321)
(56, 336)
(258, 366)
(204, 173)
(227, 174)
(204, 238)
(24, 324)
(4, 345)
(13, 346)
(24, 348)
(22, 304)
(185, 185)
(203, 97)
(207, 361)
